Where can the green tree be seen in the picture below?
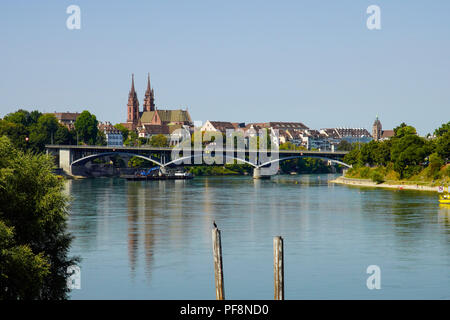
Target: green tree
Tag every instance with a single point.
(23, 117)
(43, 132)
(287, 146)
(408, 154)
(312, 165)
(382, 155)
(101, 139)
(22, 272)
(352, 158)
(442, 129)
(86, 127)
(28, 129)
(344, 145)
(64, 136)
(368, 153)
(136, 162)
(33, 207)
(48, 124)
(159, 140)
(16, 132)
(443, 146)
(377, 177)
(435, 164)
(403, 129)
(132, 139)
(142, 141)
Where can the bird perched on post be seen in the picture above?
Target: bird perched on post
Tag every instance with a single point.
(214, 224)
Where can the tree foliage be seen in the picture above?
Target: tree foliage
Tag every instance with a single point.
(22, 272)
(443, 146)
(159, 140)
(33, 130)
(86, 126)
(406, 151)
(403, 129)
(442, 130)
(34, 241)
(344, 145)
(408, 154)
(290, 146)
(43, 132)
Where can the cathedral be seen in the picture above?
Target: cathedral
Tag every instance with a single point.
(378, 134)
(151, 120)
(377, 129)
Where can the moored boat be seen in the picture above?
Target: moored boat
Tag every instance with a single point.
(444, 195)
(157, 174)
(444, 198)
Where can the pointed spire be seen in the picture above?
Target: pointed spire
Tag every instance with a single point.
(133, 104)
(132, 83)
(149, 101)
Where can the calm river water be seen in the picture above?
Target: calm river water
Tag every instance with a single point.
(152, 240)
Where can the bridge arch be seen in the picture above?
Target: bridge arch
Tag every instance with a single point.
(100, 155)
(201, 155)
(298, 157)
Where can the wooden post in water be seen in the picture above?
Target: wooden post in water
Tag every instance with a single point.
(278, 268)
(218, 267)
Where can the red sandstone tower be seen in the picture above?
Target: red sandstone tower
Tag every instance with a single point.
(133, 104)
(149, 101)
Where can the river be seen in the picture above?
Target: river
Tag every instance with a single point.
(152, 240)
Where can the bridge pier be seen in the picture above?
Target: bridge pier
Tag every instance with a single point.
(65, 160)
(163, 170)
(258, 175)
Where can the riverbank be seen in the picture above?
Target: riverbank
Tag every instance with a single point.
(388, 184)
(62, 175)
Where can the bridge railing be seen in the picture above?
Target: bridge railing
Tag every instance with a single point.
(216, 149)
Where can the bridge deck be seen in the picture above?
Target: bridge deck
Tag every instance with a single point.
(166, 149)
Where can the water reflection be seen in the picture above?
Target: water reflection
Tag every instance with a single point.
(152, 237)
(444, 216)
(133, 230)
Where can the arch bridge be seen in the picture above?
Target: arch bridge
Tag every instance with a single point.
(69, 156)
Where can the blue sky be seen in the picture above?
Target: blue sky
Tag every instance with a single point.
(309, 61)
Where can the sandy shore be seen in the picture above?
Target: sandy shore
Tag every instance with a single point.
(370, 183)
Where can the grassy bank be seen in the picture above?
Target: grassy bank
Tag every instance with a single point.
(387, 175)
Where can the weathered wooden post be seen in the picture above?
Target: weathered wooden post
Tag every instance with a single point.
(278, 268)
(218, 267)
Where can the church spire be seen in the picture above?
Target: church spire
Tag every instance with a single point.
(377, 129)
(132, 84)
(133, 104)
(149, 101)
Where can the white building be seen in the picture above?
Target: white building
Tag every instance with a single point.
(113, 135)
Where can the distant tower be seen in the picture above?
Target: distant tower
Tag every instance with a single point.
(133, 104)
(149, 101)
(376, 130)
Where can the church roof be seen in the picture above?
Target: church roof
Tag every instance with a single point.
(166, 116)
(147, 116)
(174, 115)
(387, 134)
(155, 129)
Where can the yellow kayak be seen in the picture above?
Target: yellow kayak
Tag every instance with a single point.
(444, 198)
